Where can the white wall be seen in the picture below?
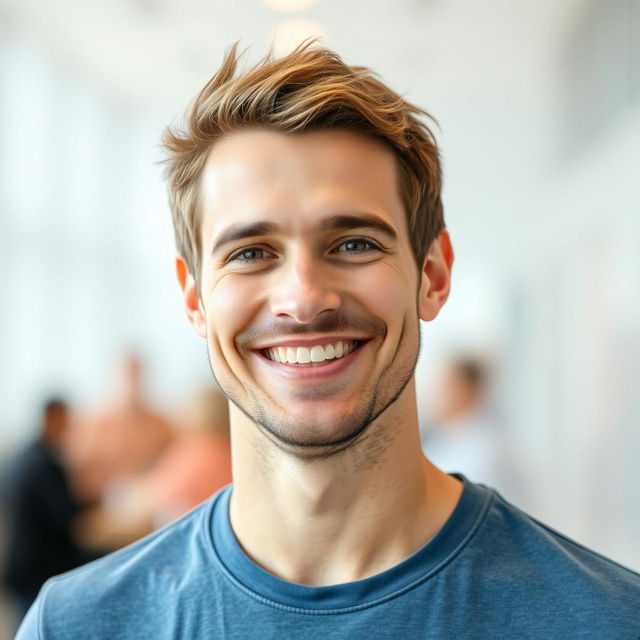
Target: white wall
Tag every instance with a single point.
(87, 246)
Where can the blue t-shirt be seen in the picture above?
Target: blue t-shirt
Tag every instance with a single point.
(491, 572)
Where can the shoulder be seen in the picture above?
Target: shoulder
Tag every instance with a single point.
(549, 547)
(28, 468)
(123, 590)
(546, 571)
(33, 455)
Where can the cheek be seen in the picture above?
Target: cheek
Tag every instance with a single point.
(231, 305)
(388, 294)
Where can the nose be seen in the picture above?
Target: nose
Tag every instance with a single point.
(303, 288)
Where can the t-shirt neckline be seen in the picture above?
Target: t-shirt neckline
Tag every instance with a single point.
(254, 581)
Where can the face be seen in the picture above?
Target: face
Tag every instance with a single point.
(309, 293)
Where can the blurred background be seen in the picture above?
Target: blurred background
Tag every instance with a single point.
(538, 105)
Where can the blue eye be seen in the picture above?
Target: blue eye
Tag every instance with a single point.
(355, 245)
(251, 254)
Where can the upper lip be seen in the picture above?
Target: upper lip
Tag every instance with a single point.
(300, 341)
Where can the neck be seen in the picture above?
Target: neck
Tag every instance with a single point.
(340, 518)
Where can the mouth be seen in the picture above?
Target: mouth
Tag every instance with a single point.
(316, 354)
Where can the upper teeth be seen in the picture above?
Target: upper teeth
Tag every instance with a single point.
(317, 353)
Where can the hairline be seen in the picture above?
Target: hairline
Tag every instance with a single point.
(198, 215)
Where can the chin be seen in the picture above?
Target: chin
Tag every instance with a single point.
(313, 434)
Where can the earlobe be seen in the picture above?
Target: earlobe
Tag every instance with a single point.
(436, 277)
(191, 298)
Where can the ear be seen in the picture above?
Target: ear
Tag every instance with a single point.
(192, 304)
(436, 277)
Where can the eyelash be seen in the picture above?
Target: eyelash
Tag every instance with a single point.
(237, 255)
(370, 246)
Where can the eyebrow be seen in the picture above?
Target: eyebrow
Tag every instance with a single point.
(236, 232)
(358, 221)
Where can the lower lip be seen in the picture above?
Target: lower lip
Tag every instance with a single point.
(314, 371)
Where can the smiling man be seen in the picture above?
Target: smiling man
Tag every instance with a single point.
(306, 202)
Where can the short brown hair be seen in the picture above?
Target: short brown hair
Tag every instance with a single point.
(309, 89)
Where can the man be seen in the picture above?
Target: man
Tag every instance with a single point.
(119, 441)
(306, 203)
(466, 433)
(40, 509)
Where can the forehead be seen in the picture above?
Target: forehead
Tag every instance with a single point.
(296, 179)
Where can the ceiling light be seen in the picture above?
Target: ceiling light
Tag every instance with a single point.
(290, 5)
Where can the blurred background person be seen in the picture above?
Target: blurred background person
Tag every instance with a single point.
(466, 435)
(40, 509)
(121, 440)
(190, 469)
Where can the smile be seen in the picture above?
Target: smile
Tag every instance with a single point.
(314, 354)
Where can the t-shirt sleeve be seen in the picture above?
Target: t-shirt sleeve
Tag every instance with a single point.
(30, 627)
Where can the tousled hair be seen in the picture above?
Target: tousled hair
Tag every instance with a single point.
(310, 89)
